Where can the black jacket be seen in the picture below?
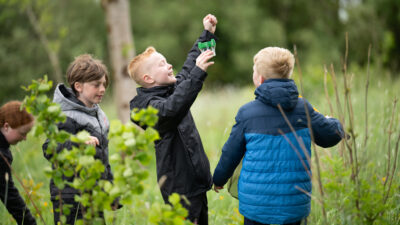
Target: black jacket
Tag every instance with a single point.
(15, 204)
(80, 117)
(180, 154)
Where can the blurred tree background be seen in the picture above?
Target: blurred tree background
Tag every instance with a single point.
(68, 28)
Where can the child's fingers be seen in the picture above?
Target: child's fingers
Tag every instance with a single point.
(204, 60)
(209, 54)
(206, 18)
(203, 56)
(93, 141)
(213, 19)
(209, 64)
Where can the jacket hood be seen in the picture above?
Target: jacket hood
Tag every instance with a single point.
(144, 95)
(68, 101)
(278, 91)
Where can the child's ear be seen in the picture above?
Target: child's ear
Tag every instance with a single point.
(78, 86)
(262, 79)
(148, 79)
(6, 126)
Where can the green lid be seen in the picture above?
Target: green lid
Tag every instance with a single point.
(207, 44)
(213, 44)
(202, 45)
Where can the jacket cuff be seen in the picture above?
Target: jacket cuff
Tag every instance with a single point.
(207, 35)
(198, 73)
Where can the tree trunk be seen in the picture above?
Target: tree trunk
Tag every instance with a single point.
(121, 49)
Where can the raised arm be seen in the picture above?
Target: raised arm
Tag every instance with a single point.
(210, 24)
(175, 107)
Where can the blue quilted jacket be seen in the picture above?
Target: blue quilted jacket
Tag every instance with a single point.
(276, 169)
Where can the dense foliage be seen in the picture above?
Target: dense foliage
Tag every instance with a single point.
(317, 28)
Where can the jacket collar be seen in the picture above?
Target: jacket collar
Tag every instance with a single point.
(157, 90)
(5, 149)
(278, 91)
(144, 95)
(68, 101)
(3, 141)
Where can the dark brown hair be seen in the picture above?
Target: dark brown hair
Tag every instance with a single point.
(12, 113)
(85, 69)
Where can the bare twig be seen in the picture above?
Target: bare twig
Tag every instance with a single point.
(393, 170)
(341, 115)
(350, 109)
(297, 153)
(299, 140)
(53, 57)
(390, 132)
(366, 99)
(312, 137)
(326, 90)
(352, 150)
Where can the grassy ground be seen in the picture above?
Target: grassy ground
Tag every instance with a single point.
(214, 113)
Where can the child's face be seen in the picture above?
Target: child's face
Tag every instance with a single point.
(16, 135)
(160, 70)
(92, 92)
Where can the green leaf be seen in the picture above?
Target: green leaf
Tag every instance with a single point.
(81, 137)
(174, 199)
(44, 87)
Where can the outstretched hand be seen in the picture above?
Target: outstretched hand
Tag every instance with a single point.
(203, 60)
(93, 141)
(210, 23)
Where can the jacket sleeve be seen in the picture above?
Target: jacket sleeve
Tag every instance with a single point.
(13, 201)
(69, 126)
(172, 109)
(192, 56)
(232, 152)
(327, 131)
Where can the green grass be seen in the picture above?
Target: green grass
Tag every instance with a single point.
(214, 113)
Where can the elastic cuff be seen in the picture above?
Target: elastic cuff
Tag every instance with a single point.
(207, 35)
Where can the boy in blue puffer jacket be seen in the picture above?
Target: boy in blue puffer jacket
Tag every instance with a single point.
(276, 169)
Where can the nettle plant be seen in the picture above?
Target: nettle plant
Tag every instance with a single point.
(134, 148)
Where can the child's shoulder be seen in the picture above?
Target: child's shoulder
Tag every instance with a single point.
(303, 102)
(250, 109)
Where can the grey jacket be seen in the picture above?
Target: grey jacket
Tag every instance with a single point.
(80, 117)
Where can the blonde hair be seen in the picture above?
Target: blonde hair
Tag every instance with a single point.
(12, 114)
(85, 69)
(274, 62)
(135, 67)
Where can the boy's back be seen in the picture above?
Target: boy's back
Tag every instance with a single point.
(276, 174)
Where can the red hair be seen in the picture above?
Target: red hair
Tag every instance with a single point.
(12, 114)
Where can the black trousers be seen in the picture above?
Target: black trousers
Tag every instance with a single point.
(75, 211)
(251, 222)
(198, 209)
